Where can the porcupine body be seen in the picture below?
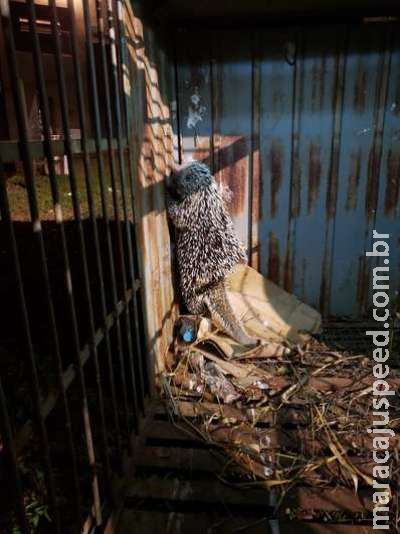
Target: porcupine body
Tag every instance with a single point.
(207, 246)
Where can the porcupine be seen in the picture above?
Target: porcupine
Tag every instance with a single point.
(207, 246)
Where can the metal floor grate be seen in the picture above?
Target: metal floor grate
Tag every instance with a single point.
(351, 337)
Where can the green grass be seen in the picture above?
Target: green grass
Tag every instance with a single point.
(18, 199)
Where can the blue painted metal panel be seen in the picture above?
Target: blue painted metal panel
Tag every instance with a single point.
(276, 103)
(317, 71)
(387, 219)
(194, 98)
(363, 75)
(309, 122)
(231, 79)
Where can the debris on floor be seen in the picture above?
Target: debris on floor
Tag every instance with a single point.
(288, 414)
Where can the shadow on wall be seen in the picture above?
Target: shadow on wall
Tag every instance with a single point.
(146, 85)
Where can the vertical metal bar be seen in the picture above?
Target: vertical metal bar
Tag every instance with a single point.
(77, 214)
(28, 170)
(143, 368)
(97, 129)
(9, 450)
(115, 30)
(110, 137)
(43, 100)
(115, 104)
(92, 214)
(119, 37)
(6, 215)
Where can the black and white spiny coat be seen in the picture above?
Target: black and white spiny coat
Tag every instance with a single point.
(207, 247)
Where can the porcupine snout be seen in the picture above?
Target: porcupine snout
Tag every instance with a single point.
(171, 180)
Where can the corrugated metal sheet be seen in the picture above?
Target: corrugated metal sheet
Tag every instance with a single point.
(303, 125)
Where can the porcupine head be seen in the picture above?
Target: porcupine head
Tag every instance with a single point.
(207, 247)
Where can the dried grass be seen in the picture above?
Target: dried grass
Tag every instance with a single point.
(298, 419)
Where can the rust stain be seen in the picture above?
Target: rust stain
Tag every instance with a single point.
(322, 82)
(324, 293)
(353, 180)
(303, 275)
(360, 91)
(371, 200)
(314, 177)
(196, 76)
(202, 151)
(234, 170)
(273, 258)
(331, 194)
(332, 190)
(256, 209)
(362, 282)
(395, 106)
(257, 186)
(318, 83)
(275, 158)
(288, 273)
(392, 182)
(277, 96)
(296, 186)
(256, 205)
(314, 85)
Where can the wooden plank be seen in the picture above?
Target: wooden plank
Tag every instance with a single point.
(178, 458)
(165, 430)
(330, 500)
(297, 439)
(288, 527)
(333, 383)
(323, 384)
(333, 470)
(298, 416)
(214, 492)
(194, 459)
(194, 409)
(144, 522)
(200, 491)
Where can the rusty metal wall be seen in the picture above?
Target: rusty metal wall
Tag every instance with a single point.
(303, 125)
